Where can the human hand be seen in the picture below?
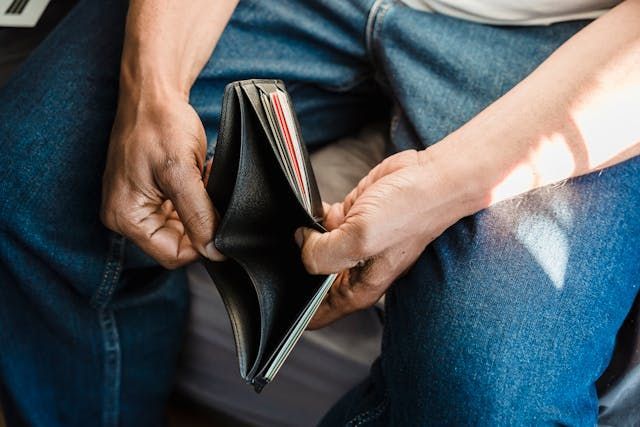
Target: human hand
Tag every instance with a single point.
(153, 190)
(378, 231)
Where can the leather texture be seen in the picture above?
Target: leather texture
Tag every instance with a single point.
(263, 283)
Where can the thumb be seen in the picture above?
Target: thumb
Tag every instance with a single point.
(189, 196)
(333, 216)
(325, 253)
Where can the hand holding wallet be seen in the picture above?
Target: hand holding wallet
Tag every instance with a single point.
(263, 186)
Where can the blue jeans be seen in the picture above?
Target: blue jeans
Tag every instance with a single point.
(508, 318)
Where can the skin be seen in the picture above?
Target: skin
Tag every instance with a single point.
(153, 191)
(575, 114)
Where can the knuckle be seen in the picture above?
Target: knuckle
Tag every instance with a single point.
(311, 266)
(308, 255)
(309, 260)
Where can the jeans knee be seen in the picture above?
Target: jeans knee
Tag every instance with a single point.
(484, 363)
(472, 384)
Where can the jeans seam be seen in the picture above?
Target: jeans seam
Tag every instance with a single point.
(369, 415)
(374, 21)
(111, 273)
(395, 122)
(112, 368)
(109, 331)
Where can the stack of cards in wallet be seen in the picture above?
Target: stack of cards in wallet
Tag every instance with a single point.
(288, 143)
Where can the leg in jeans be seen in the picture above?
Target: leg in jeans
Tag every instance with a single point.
(89, 326)
(511, 315)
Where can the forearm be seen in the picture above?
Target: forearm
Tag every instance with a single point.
(577, 113)
(168, 42)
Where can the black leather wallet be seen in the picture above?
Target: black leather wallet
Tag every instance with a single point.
(263, 187)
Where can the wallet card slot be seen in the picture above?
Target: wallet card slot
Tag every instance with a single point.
(253, 89)
(253, 92)
(317, 211)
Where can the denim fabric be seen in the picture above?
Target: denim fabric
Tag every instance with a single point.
(508, 318)
(85, 337)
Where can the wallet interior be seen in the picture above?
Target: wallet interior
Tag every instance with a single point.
(263, 283)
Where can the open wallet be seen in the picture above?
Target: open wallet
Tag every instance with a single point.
(263, 187)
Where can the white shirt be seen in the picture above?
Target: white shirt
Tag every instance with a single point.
(513, 12)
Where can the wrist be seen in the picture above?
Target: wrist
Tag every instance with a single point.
(146, 88)
(144, 78)
(457, 177)
(154, 65)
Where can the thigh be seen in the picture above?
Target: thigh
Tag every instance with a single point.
(57, 263)
(511, 316)
(55, 117)
(442, 71)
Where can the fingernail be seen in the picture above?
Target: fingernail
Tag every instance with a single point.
(212, 253)
(299, 237)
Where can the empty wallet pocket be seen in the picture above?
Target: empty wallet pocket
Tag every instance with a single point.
(241, 302)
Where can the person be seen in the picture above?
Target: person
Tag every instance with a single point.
(503, 231)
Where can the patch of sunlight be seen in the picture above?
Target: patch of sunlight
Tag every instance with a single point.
(562, 209)
(547, 242)
(606, 114)
(551, 160)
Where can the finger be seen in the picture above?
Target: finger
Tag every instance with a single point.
(327, 312)
(184, 186)
(324, 317)
(171, 248)
(163, 239)
(354, 290)
(207, 171)
(331, 252)
(167, 208)
(334, 216)
(387, 166)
